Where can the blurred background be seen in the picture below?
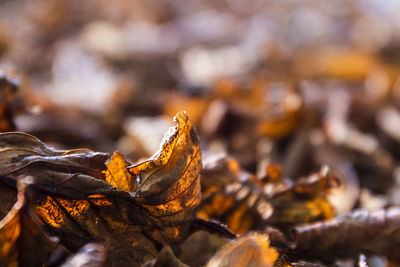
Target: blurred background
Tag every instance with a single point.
(297, 83)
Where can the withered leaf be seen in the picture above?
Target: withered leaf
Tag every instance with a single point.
(218, 171)
(347, 235)
(200, 247)
(20, 235)
(306, 201)
(117, 174)
(165, 258)
(80, 199)
(56, 171)
(169, 182)
(253, 203)
(252, 249)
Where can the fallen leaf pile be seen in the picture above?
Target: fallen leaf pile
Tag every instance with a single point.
(145, 213)
(290, 157)
(79, 198)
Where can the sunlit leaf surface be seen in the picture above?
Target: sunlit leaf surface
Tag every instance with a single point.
(80, 198)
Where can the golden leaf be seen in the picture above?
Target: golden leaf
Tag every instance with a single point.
(80, 199)
(252, 249)
(169, 183)
(20, 235)
(117, 174)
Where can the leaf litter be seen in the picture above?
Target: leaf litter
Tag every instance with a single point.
(298, 118)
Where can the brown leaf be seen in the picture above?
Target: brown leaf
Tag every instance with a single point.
(20, 150)
(218, 171)
(347, 235)
(166, 258)
(74, 201)
(253, 203)
(200, 247)
(117, 174)
(169, 182)
(306, 201)
(20, 235)
(252, 249)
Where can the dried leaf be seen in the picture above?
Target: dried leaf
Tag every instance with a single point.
(252, 249)
(117, 174)
(169, 183)
(306, 201)
(255, 203)
(200, 247)
(218, 171)
(347, 235)
(75, 202)
(165, 258)
(20, 235)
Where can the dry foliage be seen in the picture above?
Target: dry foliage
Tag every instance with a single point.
(294, 161)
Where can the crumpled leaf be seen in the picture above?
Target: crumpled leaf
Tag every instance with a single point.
(218, 171)
(305, 201)
(74, 201)
(347, 235)
(169, 182)
(117, 174)
(200, 247)
(56, 171)
(252, 249)
(165, 258)
(254, 203)
(20, 236)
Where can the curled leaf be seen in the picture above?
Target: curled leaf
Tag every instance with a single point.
(169, 182)
(166, 257)
(81, 200)
(252, 249)
(253, 203)
(20, 235)
(347, 235)
(118, 175)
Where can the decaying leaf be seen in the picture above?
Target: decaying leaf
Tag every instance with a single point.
(81, 200)
(347, 235)
(218, 171)
(200, 247)
(252, 249)
(165, 258)
(8, 91)
(22, 241)
(306, 201)
(117, 174)
(253, 203)
(169, 183)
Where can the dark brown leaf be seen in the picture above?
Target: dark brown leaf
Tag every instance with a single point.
(80, 199)
(165, 258)
(253, 203)
(20, 236)
(347, 235)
